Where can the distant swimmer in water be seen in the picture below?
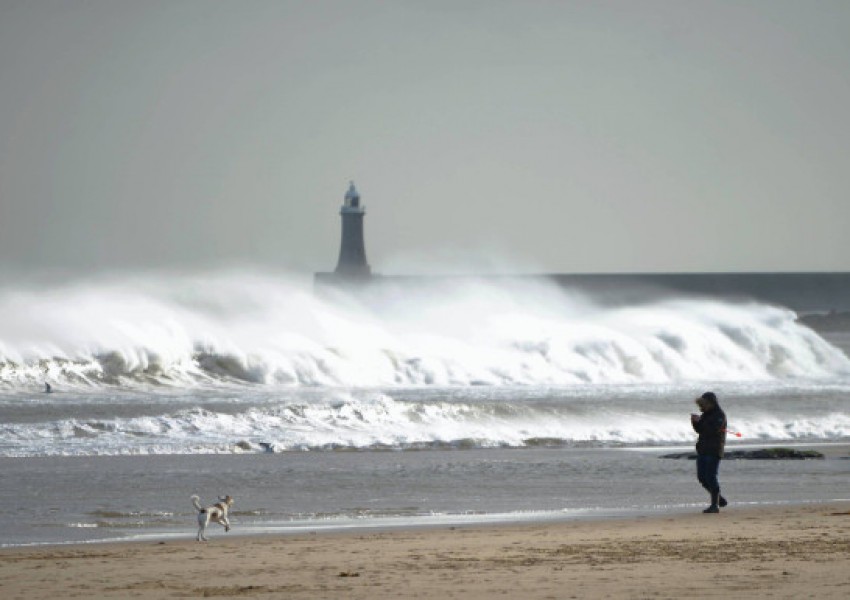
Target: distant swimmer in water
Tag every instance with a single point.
(47, 388)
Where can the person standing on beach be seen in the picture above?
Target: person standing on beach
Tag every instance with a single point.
(711, 427)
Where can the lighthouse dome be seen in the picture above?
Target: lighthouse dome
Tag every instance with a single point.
(352, 195)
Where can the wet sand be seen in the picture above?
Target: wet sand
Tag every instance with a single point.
(800, 551)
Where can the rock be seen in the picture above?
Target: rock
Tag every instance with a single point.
(689, 455)
(773, 454)
(759, 454)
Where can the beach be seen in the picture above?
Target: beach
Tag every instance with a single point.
(788, 551)
(424, 299)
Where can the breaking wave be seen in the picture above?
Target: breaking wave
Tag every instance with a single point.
(376, 421)
(236, 328)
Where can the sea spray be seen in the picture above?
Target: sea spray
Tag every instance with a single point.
(406, 421)
(231, 328)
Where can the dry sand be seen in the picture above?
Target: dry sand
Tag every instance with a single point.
(778, 552)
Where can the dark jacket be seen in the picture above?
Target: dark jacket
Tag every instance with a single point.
(711, 428)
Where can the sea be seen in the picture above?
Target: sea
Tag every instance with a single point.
(408, 402)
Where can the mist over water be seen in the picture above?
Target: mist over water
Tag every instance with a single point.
(255, 362)
(233, 328)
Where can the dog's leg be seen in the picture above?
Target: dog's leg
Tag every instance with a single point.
(203, 520)
(226, 523)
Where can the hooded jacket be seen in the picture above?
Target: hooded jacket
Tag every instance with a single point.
(711, 428)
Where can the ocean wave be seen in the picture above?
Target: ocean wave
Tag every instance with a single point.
(379, 422)
(258, 330)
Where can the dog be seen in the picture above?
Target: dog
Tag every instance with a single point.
(216, 513)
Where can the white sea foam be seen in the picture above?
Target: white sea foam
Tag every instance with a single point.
(262, 329)
(377, 420)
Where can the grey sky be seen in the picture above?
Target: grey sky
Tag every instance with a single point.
(554, 136)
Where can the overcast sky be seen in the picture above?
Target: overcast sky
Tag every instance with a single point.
(628, 136)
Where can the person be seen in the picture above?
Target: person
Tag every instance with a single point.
(711, 427)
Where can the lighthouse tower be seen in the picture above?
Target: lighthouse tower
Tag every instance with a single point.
(352, 251)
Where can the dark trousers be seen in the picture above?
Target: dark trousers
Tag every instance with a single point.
(707, 466)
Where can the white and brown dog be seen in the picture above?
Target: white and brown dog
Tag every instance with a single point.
(216, 513)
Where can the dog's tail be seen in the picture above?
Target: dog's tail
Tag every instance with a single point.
(196, 500)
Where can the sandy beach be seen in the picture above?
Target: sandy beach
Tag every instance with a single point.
(800, 551)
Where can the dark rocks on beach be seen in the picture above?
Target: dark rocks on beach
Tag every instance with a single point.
(760, 454)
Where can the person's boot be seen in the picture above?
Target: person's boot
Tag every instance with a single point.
(714, 500)
(721, 502)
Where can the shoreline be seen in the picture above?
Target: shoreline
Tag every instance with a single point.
(159, 510)
(787, 551)
(391, 525)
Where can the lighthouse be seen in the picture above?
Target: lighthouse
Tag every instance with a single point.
(351, 268)
(352, 249)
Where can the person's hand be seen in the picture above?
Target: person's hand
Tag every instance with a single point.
(694, 417)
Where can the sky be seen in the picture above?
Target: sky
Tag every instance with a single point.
(511, 136)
